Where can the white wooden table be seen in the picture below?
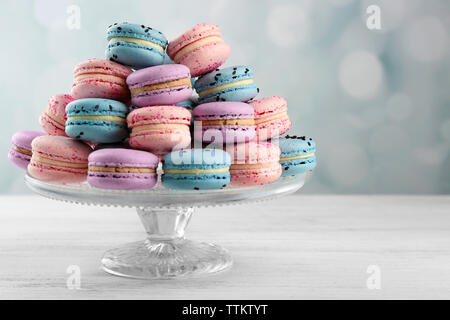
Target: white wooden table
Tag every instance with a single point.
(298, 247)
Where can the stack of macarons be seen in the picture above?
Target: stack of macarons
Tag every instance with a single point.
(152, 101)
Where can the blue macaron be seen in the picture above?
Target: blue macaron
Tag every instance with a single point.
(297, 154)
(196, 169)
(136, 46)
(97, 120)
(188, 104)
(229, 84)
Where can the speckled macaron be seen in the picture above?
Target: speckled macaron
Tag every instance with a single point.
(97, 120)
(271, 117)
(97, 78)
(122, 169)
(224, 122)
(196, 169)
(53, 119)
(229, 84)
(200, 48)
(159, 129)
(20, 152)
(59, 159)
(135, 45)
(160, 85)
(254, 163)
(298, 154)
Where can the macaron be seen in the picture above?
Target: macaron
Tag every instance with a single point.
(196, 169)
(122, 169)
(59, 159)
(200, 48)
(224, 122)
(97, 120)
(188, 104)
(20, 152)
(229, 84)
(159, 129)
(298, 154)
(135, 45)
(97, 78)
(160, 85)
(271, 117)
(254, 163)
(53, 119)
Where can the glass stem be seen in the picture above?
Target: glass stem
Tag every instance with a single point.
(164, 225)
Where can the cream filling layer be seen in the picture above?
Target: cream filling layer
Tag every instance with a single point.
(182, 127)
(164, 85)
(196, 171)
(138, 41)
(275, 116)
(98, 118)
(52, 117)
(22, 151)
(99, 76)
(226, 86)
(122, 170)
(194, 45)
(229, 122)
(303, 156)
(64, 164)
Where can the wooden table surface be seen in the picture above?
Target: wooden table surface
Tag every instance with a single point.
(297, 247)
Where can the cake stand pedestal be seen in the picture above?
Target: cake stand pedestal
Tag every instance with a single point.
(164, 213)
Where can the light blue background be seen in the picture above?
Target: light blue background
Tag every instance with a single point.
(376, 102)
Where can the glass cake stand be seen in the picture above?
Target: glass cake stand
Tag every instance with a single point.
(165, 253)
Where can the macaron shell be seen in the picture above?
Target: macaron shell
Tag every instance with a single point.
(53, 119)
(267, 108)
(206, 58)
(97, 131)
(132, 54)
(122, 181)
(253, 153)
(197, 182)
(162, 140)
(256, 175)
(101, 79)
(159, 75)
(231, 77)
(58, 148)
(121, 157)
(293, 167)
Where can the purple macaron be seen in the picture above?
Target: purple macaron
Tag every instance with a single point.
(122, 169)
(160, 85)
(20, 152)
(224, 122)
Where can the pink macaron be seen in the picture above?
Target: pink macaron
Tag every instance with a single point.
(160, 85)
(97, 78)
(271, 117)
(254, 163)
(53, 119)
(159, 129)
(200, 48)
(59, 159)
(224, 122)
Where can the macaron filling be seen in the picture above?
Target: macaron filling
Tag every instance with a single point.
(97, 118)
(59, 163)
(22, 151)
(301, 156)
(137, 41)
(280, 115)
(178, 83)
(121, 169)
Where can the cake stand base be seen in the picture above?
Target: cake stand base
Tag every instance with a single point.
(165, 253)
(162, 260)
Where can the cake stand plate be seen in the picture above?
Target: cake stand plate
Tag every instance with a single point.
(165, 213)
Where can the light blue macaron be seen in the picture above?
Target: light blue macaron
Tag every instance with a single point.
(97, 120)
(298, 154)
(136, 46)
(229, 84)
(196, 169)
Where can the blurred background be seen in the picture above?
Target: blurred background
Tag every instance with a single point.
(377, 102)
